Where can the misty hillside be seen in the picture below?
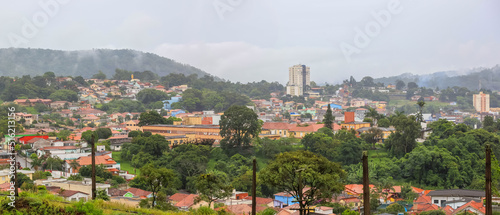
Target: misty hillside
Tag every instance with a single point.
(488, 77)
(21, 61)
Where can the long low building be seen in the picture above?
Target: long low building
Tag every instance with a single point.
(201, 132)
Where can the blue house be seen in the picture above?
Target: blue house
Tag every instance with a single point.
(167, 104)
(285, 198)
(175, 112)
(334, 106)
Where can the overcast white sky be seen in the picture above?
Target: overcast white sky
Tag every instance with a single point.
(251, 40)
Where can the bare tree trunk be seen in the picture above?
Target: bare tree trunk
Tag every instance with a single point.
(366, 185)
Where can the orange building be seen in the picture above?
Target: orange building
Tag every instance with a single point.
(201, 132)
(349, 117)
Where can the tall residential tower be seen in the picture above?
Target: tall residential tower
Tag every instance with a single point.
(299, 80)
(481, 102)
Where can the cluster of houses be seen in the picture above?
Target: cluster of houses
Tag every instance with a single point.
(451, 202)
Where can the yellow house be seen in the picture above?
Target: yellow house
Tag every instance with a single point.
(5, 175)
(354, 125)
(180, 139)
(386, 132)
(191, 120)
(132, 125)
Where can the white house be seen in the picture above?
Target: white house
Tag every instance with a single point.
(440, 197)
(74, 195)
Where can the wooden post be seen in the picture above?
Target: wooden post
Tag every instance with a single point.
(254, 187)
(92, 144)
(366, 185)
(488, 180)
(16, 185)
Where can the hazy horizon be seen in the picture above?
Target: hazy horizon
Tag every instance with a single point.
(254, 40)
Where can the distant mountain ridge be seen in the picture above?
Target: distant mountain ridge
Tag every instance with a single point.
(486, 78)
(26, 61)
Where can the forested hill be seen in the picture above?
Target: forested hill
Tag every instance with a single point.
(21, 61)
(488, 77)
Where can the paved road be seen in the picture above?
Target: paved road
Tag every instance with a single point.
(22, 161)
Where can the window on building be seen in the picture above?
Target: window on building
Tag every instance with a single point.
(436, 201)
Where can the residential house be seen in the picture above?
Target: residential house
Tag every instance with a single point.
(133, 125)
(32, 102)
(386, 132)
(121, 193)
(440, 197)
(472, 207)
(189, 203)
(74, 195)
(28, 118)
(57, 150)
(167, 104)
(143, 194)
(5, 175)
(354, 125)
(360, 113)
(58, 104)
(286, 197)
(105, 160)
(82, 186)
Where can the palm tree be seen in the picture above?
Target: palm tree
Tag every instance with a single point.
(420, 104)
(74, 165)
(35, 161)
(373, 114)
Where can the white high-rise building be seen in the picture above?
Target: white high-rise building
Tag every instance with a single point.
(481, 102)
(298, 80)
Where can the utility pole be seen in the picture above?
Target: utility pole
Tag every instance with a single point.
(366, 185)
(16, 185)
(92, 143)
(488, 180)
(254, 187)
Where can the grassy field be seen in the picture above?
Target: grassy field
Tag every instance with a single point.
(31, 110)
(124, 165)
(376, 155)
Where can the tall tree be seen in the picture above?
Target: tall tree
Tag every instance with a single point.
(403, 140)
(328, 118)
(304, 175)
(158, 178)
(99, 75)
(74, 165)
(151, 118)
(420, 104)
(213, 186)
(400, 84)
(238, 126)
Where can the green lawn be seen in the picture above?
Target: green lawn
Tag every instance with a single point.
(376, 155)
(31, 110)
(124, 165)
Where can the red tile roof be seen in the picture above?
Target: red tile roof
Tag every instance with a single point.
(358, 188)
(178, 197)
(104, 159)
(472, 204)
(423, 199)
(187, 202)
(138, 192)
(59, 148)
(243, 209)
(260, 200)
(277, 126)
